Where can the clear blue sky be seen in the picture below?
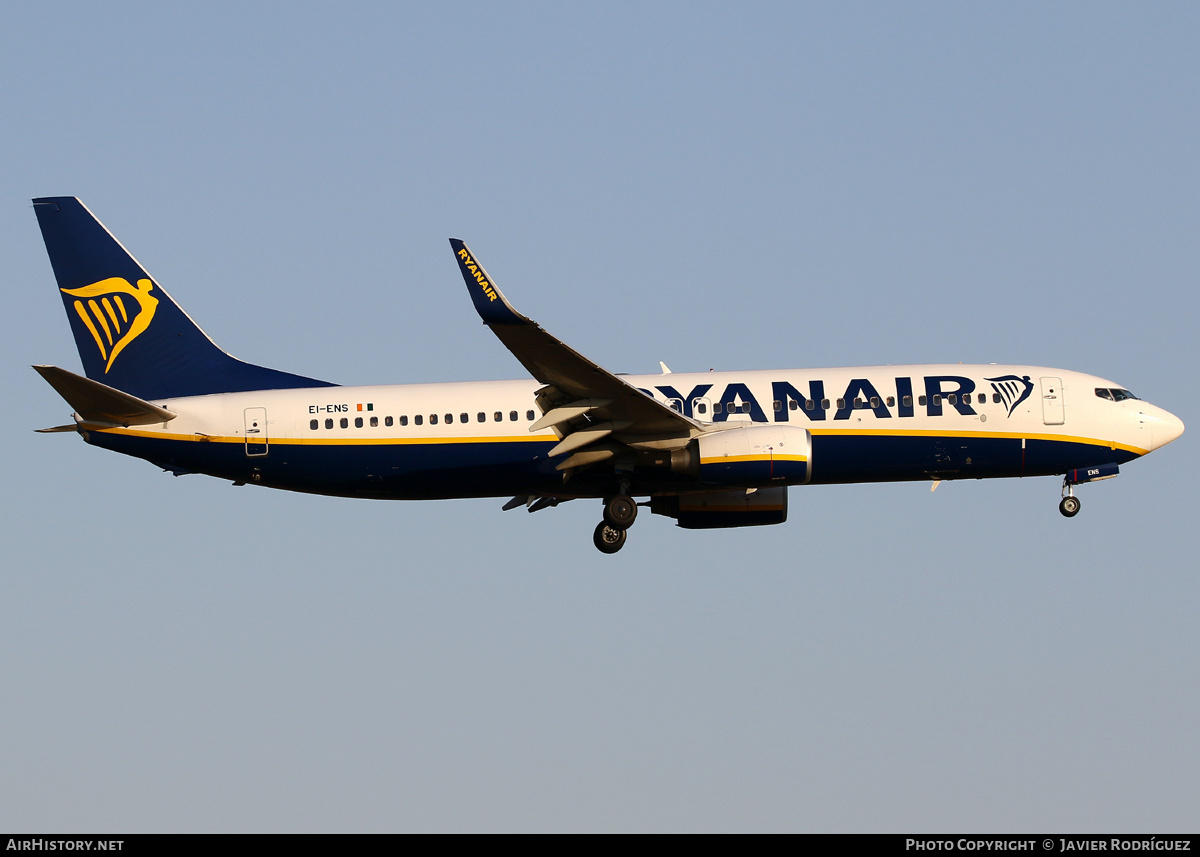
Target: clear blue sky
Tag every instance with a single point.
(716, 186)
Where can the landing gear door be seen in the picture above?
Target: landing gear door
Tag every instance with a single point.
(1052, 401)
(256, 431)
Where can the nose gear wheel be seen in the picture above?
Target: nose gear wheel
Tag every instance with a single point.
(609, 539)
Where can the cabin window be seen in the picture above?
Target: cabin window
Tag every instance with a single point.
(433, 419)
(922, 401)
(793, 404)
(328, 424)
(891, 401)
(907, 401)
(418, 419)
(312, 424)
(841, 404)
(481, 417)
(387, 421)
(529, 415)
(874, 401)
(858, 404)
(824, 404)
(358, 422)
(716, 407)
(344, 423)
(512, 416)
(374, 422)
(777, 405)
(808, 404)
(966, 399)
(952, 399)
(449, 419)
(937, 399)
(498, 416)
(463, 418)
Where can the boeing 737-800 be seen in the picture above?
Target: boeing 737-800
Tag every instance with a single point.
(712, 449)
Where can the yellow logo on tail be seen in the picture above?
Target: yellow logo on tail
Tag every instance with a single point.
(106, 311)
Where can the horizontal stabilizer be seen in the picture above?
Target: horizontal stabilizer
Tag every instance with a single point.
(100, 404)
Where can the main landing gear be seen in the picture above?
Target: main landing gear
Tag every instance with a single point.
(1069, 505)
(619, 514)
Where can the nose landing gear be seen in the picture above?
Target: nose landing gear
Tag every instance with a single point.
(619, 514)
(609, 539)
(1069, 505)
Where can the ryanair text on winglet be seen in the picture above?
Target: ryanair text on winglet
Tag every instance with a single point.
(471, 266)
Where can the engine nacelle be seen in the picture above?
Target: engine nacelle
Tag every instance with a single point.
(756, 456)
(724, 509)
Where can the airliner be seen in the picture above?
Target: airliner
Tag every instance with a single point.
(707, 449)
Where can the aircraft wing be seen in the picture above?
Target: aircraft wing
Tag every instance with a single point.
(586, 404)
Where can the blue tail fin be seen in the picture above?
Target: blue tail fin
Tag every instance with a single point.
(129, 332)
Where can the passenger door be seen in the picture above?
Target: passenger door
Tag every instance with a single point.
(1052, 401)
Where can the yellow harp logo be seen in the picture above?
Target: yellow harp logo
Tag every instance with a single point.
(105, 310)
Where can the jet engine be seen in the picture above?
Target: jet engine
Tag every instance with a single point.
(756, 456)
(724, 509)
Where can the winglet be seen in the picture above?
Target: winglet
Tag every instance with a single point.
(491, 305)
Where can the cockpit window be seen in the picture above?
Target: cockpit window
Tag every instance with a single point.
(1115, 394)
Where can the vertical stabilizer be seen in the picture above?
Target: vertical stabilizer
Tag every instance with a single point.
(130, 334)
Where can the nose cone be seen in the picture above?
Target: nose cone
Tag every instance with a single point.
(1164, 428)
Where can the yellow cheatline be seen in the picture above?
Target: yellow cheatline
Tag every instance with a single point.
(1060, 438)
(547, 438)
(739, 458)
(349, 441)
